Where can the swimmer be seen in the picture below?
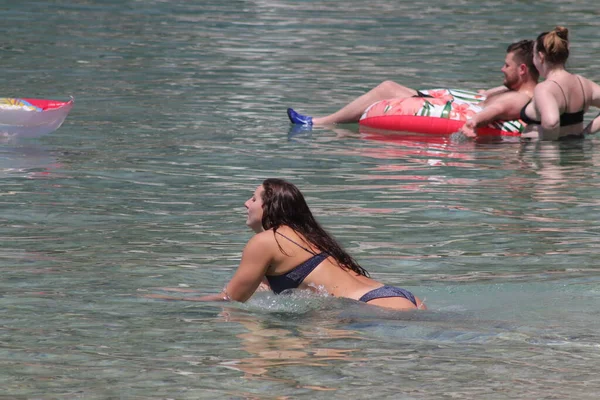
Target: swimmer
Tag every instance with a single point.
(560, 102)
(501, 103)
(291, 250)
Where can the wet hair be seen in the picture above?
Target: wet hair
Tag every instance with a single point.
(523, 52)
(283, 204)
(554, 45)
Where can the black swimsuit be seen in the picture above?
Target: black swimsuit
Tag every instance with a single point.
(566, 118)
(293, 278)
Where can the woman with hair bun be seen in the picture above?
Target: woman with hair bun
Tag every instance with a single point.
(291, 250)
(560, 102)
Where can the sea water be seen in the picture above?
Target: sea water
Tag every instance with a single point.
(180, 113)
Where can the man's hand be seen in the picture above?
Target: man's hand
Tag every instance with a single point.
(468, 129)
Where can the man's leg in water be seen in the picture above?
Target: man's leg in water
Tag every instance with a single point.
(353, 111)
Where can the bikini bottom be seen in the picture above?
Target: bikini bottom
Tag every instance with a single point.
(388, 291)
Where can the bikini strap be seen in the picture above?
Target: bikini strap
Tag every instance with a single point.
(296, 243)
(564, 95)
(582, 91)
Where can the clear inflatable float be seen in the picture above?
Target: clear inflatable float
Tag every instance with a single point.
(23, 117)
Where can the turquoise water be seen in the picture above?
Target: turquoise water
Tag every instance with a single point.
(180, 114)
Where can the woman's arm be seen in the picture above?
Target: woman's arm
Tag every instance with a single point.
(250, 274)
(549, 112)
(256, 258)
(594, 126)
(211, 297)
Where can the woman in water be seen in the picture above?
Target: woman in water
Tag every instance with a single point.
(560, 102)
(291, 250)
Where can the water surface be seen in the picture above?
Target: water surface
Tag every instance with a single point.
(180, 114)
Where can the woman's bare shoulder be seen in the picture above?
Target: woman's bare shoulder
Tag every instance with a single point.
(589, 84)
(264, 238)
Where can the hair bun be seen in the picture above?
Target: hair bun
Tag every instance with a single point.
(562, 32)
(554, 44)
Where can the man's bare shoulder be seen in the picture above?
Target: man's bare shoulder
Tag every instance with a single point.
(511, 96)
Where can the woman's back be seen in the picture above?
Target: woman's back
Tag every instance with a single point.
(292, 260)
(563, 100)
(572, 99)
(290, 252)
(560, 102)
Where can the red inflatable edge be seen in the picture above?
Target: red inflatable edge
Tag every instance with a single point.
(47, 105)
(427, 125)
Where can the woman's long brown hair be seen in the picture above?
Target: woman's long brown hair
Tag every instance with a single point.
(283, 204)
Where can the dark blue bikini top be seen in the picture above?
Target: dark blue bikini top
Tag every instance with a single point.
(566, 119)
(292, 279)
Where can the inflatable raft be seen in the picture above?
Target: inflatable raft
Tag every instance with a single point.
(32, 117)
(436, 112)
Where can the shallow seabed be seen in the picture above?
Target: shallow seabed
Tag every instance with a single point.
(180, 114)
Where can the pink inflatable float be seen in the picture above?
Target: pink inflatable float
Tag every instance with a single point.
(437, 112)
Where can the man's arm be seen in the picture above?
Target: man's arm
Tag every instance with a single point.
(494, 91)
(506, 106)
